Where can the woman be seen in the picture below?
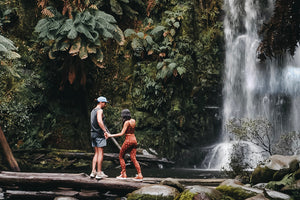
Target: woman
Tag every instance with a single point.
(129, 145)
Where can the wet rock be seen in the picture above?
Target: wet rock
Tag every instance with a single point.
(156, 191)
(258, 197)
(173, 183)
(204, 193)
(262, 175)
(238, 191)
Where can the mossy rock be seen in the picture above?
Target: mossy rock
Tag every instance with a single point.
(262, 175)
(155, 191)
(148, 197)
(294, 166)
(173, 183)
(277, 185)
(280, 174)
(235, 192)
(297, 174)
(186, 195)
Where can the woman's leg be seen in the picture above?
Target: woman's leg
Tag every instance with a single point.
(134, 160)
(122, 153)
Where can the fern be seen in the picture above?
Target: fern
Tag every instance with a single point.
(7, 49)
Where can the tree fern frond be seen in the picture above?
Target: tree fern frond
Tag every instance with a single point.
(7, 43)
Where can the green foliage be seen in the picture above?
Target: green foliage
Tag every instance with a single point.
(7, 49)
(257, 131)
(288, 143)
(79, 35)
(130, 8)
(186, 195)
(281, 32)
(166, 85)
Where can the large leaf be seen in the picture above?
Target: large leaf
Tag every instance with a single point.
(83, 54)
(64, 46)
(116, 7)
(102, 15)
(42, 25)
(72, 33)
(66, 27)
(128, 32)
(84, 30)
(91, 48)
(7, 43)
(75, 46)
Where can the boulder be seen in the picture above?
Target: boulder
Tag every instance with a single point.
(258, 197)
(202, 192)
(277, 162)
(262, 174)
(173, 183)
(237, 191)
(156, 191)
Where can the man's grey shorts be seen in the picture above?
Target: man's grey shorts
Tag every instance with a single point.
(98, 142)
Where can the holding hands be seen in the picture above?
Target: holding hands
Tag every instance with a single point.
(107, 135)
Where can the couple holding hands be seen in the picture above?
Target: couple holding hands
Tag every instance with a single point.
(99, 134)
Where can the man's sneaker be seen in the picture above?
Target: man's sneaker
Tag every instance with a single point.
(122, 177)
(93, 174)
(103, 175)
(138, 178)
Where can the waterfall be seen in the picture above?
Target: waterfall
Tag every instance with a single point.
(252, 89)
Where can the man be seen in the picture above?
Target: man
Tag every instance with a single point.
(98, 130)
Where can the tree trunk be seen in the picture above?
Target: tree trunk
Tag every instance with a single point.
(8, 153)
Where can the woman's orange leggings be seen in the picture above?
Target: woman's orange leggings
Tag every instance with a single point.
(129, 145)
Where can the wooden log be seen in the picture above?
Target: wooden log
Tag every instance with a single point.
(77, 181)
(82, 178)
(8, 153)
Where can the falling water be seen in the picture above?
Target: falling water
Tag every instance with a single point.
(252, 89)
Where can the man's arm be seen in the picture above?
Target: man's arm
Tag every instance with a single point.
(100, 120)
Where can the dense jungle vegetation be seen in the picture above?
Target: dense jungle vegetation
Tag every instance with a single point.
(162, 59)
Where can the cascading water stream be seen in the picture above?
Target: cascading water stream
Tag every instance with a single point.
(252, 89)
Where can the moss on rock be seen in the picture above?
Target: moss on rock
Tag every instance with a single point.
(262, 175)
(235, 192)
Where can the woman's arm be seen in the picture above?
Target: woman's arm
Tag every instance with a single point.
(122, 132)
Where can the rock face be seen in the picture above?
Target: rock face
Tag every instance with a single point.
(280, 173)
(278, 162)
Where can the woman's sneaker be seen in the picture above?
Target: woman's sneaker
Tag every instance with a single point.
(122, 177)
(101, 175)
(93, 174)
(138, 178)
